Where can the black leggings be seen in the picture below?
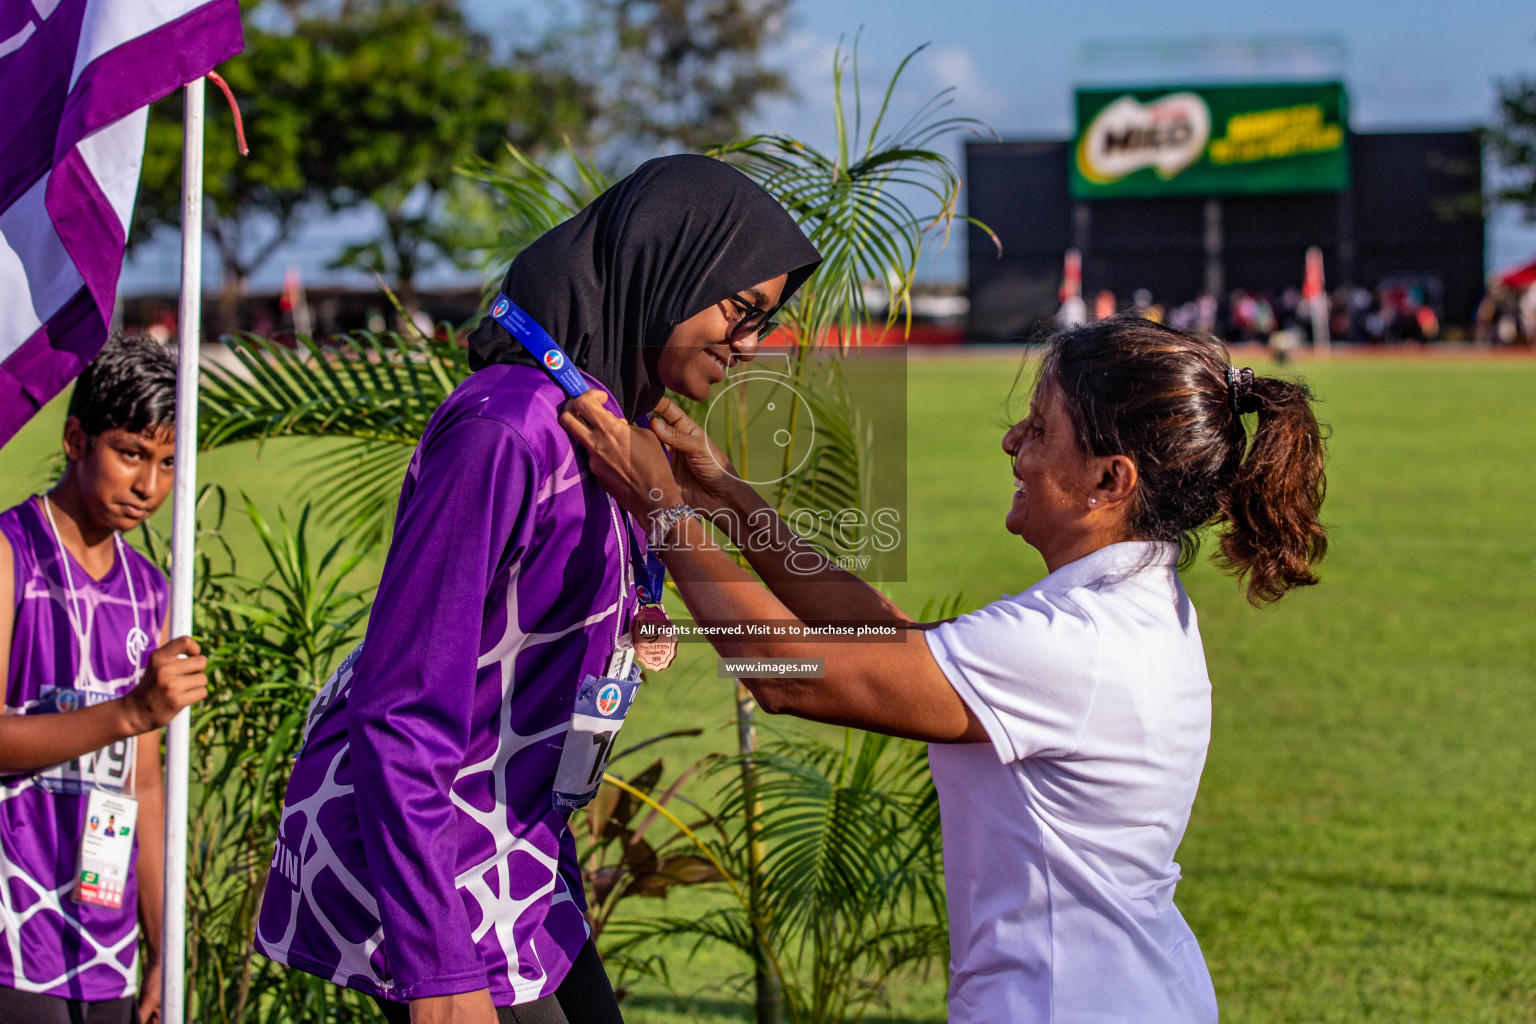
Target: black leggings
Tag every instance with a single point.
(584, 997)
(17, 1007)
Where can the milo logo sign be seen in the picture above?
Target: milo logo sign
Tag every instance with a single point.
(1168, 135)
(1210, 140)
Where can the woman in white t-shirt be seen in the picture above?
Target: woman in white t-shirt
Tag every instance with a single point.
(1069, 722)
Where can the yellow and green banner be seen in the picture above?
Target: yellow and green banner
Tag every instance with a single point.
(1210, 140)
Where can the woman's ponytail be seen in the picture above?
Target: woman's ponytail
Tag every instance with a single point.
(1174, 403)
(1274, 535)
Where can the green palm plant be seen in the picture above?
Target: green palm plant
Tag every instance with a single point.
(851, 870)
(271, 640)
(529, 198)
(373, 393)
(870, 205)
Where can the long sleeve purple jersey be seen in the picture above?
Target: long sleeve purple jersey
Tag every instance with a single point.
(419, 852)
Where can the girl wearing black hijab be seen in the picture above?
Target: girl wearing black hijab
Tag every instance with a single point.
(423, 855)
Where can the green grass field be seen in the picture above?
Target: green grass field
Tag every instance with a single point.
(1364, 843)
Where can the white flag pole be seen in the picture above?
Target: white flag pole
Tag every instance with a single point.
(173, 942)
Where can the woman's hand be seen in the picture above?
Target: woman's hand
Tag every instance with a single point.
(628, 462)
(700, 469)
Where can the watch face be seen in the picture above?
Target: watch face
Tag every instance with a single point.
(663, 521)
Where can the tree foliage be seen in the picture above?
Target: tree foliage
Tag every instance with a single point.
(370, 103)
(252, 205)
(679, 73)
(1513, 141)
(417, 92)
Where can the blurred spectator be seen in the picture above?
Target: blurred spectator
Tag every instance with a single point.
(1205, 316)
(1104, 304)
(1142, 305)
(1185, 317)
(1401, 310)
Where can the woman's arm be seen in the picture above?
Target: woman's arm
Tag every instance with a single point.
(29, 743)
(890, 687)
(811, 586)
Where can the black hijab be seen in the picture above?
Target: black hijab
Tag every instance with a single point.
(676, 236)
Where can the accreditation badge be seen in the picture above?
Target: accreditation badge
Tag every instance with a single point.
(601, 707)
(106, 849)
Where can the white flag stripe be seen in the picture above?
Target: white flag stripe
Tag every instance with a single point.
(114, 156)
(111, 23)
(37, 277)
(89, 69)
(15, 41)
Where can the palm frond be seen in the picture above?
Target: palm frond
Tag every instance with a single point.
(837, 825)
(529, 198)
(370, 386)
(373, 393)
(869, 206)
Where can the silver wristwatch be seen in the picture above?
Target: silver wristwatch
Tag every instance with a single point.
(662, 523)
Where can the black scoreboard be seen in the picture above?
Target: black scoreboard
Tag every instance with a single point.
(1410, 213)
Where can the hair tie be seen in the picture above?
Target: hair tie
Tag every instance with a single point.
(1240, 390)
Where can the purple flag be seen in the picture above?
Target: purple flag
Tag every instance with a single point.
(77, 77)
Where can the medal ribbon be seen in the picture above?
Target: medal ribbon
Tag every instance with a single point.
(564, 372)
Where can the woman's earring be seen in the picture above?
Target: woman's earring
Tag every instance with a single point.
(1093, 501)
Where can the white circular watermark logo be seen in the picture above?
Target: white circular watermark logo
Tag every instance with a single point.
(779, 424)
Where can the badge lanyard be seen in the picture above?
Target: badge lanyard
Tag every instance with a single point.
(552, 357)
(137, 638)
(106, 840)
(112, 767)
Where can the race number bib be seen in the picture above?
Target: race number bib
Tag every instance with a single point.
(106, 769)
(106, 849)
(601, 706)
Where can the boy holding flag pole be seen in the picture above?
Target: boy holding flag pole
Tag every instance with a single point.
(78, 77)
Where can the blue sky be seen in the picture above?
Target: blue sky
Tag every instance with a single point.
(1407, 64)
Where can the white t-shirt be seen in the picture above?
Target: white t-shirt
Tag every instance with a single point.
(1059, 838)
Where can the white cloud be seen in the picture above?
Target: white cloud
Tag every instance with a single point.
(950, 66)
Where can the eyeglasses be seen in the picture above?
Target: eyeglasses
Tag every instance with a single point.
(753, 319)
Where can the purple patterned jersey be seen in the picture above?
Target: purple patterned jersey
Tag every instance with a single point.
(419, 851)
(53, 945)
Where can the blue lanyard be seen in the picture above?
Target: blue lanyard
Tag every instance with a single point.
(564, 373)
(538, 342)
